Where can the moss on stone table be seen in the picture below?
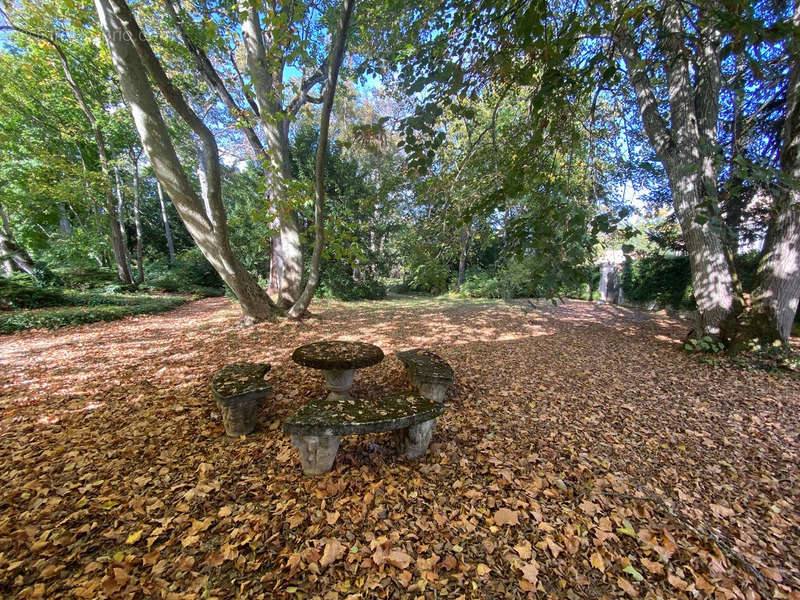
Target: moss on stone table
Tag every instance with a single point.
(239, 378)
(427, 366)
(356, 416)
(337, 355)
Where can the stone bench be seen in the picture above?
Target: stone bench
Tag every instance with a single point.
(240, 391)
(317, 427)
(428, 372)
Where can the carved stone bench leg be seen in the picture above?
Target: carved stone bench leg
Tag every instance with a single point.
(413, 441)
(316, 452)
(240, 413)
(339, 383)
(433, 391)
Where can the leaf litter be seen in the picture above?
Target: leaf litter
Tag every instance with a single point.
(581, 455)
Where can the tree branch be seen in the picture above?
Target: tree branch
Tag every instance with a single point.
(210, 153)
(655, 126)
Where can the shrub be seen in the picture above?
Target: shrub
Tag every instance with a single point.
(21, 292)
(337, 282)
(659, 278)
(428, 277)
(86, 278)
(190, 273)
(75, 315)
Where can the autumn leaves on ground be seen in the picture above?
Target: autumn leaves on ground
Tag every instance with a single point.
(581, 454)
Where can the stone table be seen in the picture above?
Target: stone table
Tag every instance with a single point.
(317, 427)
(338, 361)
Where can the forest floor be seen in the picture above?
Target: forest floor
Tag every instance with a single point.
(582, 454)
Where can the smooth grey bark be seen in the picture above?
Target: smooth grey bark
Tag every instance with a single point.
(686, 146)
(137, 217)
(275, 126)
(334, 63)
(777, 283)
(216, 83)
(165, 221)
(275, 266)
(14, 257)
(133, 60)
(64, 225)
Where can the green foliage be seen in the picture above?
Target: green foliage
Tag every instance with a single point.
(337, 282)
(705, 344)
(191, 273)
(85, 278)
(659, 278)
(21, 292)
(667, 279)
(75, 315)
(515, 279)
(428, 276)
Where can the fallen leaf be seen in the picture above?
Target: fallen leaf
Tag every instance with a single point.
(504, 516)
(530, 573)
(677, 582)
(398, 558)
(627, 587)
(334, 550)
(134, 537)
(598, 562)
(524, 550)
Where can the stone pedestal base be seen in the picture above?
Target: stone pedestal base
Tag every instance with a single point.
(432, 391)
(413, 441)
(339, 383)
(240, 414)
(316, 451)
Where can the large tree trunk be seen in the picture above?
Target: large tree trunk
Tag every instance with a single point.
(275, 125)
(687, 147)
(275, 266)
(336, 55)
(216, 83)
(165, 221)
(13, 256)
(206, 222)
(777, 284)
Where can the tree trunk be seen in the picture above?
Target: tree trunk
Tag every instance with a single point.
(777, 283)
(287, 222)
(275, 125)
(133, 60)
(687, 148)
(466, 234)
(14, 256)
(121, 216)
(137, 219)
(165, 220)
(64, 226)
(275, 266)
(335, 60)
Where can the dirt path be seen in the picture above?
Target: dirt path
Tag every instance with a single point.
(117, 481)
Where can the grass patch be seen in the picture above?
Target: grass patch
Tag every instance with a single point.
(88, 307)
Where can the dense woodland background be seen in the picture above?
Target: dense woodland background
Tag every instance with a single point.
(495, 150)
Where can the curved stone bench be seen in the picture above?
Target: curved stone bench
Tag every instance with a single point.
(240, 391)
(428, 372)
(317, 427)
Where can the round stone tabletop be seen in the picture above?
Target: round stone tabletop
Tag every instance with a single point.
(337, 355)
